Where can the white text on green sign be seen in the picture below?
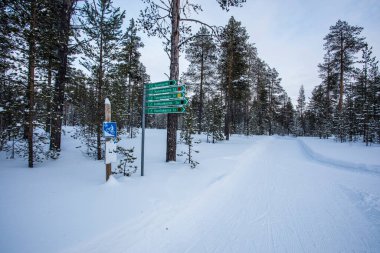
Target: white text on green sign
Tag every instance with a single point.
(166, 96)
(165, 110)
(166, 90)
(160, 84)
(167, 102)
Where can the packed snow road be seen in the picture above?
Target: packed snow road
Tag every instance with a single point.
(276, 199)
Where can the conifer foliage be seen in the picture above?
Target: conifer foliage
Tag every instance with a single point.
(233, 90)
(187, 138)
(345, 104)
(102, 36)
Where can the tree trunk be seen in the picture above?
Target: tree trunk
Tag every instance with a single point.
(366, 106)
(100, 113)
(171, 141)
(32, 66)
(100, 107)
(200, 108)
(341, 75)
(229, 93)
(48, 104)
(59, 94)
(130, 105)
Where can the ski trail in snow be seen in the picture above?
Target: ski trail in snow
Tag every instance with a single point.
(357, 167)
(283, 204)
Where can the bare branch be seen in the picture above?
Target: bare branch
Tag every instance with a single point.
(214, 30)
(192, 37)
(168, 8)
(160, 7)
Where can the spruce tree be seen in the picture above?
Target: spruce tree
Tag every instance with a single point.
(186, 137)
(214, 119)
(301, 106)
(364, 90)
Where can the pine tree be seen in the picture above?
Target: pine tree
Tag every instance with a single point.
(330, 87)
(130, 78)
(65, 10)
(274, 91)
(233, 69)
(343, 42)
(158, 20)
(101, 27)
(22, 84)
(252, 60)
(259, 110)
(201, 53)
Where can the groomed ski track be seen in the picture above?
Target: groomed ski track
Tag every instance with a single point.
(288, 203)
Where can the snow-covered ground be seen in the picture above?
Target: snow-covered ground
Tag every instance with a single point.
(250, 194)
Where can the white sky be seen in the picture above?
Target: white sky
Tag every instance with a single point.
(287, 33)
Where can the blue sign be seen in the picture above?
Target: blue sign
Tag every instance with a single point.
(109, 129)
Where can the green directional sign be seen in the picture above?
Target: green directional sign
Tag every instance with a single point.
(165, 110)
(167, 102)
(166, 96)
(160, 84)
(166, 90)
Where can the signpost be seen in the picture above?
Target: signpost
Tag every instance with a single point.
(109, 131)
(161, 98)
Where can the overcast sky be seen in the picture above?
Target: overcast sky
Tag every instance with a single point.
(288, 34)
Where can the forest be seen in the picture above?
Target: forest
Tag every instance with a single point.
(59, 60)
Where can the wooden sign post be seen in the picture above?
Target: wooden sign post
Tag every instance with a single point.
(107, 104)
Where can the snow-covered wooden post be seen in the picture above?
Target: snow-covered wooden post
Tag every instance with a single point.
(107, 104)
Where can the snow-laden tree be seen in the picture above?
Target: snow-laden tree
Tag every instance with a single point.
(200, 75)
(101, 41)
(233, 70)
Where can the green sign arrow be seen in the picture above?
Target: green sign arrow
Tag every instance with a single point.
(166, 96)
(166, 90)
(160, 84)
(167, 102)
(164, 110)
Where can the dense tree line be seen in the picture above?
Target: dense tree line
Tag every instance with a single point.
(251, 99)
(34, 49)
(232, 90)
(42, 85)
(346, 103)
